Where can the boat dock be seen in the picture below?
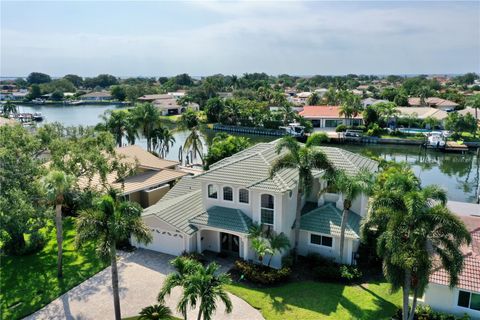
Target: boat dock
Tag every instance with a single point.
(453, 146)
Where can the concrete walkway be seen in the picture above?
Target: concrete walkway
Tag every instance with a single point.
(141, 275)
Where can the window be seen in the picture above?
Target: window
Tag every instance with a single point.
(227, 194)
(320, 240)
(243, 196)
(212, 191)
(469, 300)
(266, 209)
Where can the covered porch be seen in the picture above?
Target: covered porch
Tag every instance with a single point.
(223, 230)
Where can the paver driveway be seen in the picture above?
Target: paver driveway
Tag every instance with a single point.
(141, 275)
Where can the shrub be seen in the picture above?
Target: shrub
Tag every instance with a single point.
(424, 312)
(194, 256)
(287, 261)
(341, 128)
(350, 273)
(374, 131)
(327, 270)
(315, 259)
(155, 312)
(262, 274)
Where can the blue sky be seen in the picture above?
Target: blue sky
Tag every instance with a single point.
(166, 38)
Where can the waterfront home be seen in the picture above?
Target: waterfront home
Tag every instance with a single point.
(213, 211)
(171, 106)
(422, 113)
(465, 296)
(97, 96)
(469, 110)
(151, 179)
(328, 117)
(433, 102)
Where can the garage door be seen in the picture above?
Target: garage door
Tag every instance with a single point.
(166, 242)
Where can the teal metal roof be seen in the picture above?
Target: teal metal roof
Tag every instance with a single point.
(327, 220)
(224, 218)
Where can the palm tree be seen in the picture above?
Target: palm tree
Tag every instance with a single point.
(424, 93)
(416, 233)
(287, 112)
(9, 107)
(116, 123)
(56, 184)
(475, 103)
(305, 160)
(155, 312)
(106, 224)
(261, 247)
(278, 243)
(350, 188)
(194, 143)
(314, 99)
(147, 116)
(198, 283)
(431, 122)
(167, 142)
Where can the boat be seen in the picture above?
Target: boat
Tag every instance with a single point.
(75, 102)
(37, 116)
(38, 101)
(294, 129)
(435, 140)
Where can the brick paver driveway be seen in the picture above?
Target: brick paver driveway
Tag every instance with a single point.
(141, 276)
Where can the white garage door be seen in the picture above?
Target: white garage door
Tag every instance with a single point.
(166, 241)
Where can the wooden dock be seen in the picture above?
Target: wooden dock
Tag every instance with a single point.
(453, 146)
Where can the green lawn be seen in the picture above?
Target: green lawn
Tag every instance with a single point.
(316, 300)
(28, 283)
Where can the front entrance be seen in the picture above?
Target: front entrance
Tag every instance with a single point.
(229, 243)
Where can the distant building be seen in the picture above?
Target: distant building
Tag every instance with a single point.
(97, 96)
(470, 110)
(328, 117)
(422, 113)
(371, 101)
(439, 103)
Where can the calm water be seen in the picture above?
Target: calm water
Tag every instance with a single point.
(458, 174)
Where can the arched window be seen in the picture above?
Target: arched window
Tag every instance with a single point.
(212, 191)
(243, 196)
(227, 194)
(266, 209)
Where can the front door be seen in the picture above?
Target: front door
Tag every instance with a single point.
(229, 243)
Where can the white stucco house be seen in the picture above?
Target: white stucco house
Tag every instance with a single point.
(464, 298)
(214, 210)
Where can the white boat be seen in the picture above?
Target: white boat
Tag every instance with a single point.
(294, 129)
(436, 139)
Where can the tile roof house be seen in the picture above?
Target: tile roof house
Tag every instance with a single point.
(214, 210)
(433, 102)
(465, 296)
(97, 96)
(151, 180)
(168, 103)
(422, 112)
(328, 116)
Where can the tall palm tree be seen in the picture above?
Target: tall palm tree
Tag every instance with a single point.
(108, 223)
(475, 103)
(350, 188)
(424, 93)
(198, 283)
(305, 160)
(9, 107)
(194, 143)
(314, 99)
(56, 184)
(416, 234)
(116, 122)
(147, 116)
(167, 142)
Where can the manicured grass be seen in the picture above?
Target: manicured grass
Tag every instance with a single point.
(27, 283)
(316, 300)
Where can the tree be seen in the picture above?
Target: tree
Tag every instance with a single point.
(458, 123)
(416, 233)
(370, 115)
(57, 95)
(35, 92)
(194, 143)
(107, 224)
(9, 107)
(424, 93)
(431, 122)
(155, 312)
(305, 160)
(214, 108)
(317, 139)
(314, 99)
(56, 184)
(261, 247)
(474, 102)
(225, 145)
(22, 211)
(199, 283)
(118, 93)
(38, 77)
(77, 81)
(116, 122)
(147, 117)
(350, 188)
(351, 105)
(278, 243)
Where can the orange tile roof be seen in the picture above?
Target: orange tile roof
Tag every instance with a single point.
(323, 112)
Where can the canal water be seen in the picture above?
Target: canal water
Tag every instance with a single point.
(457, 173)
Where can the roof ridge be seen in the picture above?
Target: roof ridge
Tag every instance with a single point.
(224, 165)
(169, 202)
(285, 186)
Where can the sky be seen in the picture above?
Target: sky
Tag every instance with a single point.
(159, 38)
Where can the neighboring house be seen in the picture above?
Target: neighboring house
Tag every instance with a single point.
(371, 101)
(152, 179)
(471, 111)
(422, 113)
(438, 103)
(213, 211)
(465, 296)
(328, 116)
(321, 92)
(97, 96)
(168, 103)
